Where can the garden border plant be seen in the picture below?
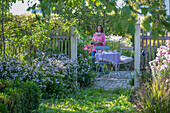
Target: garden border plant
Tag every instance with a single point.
(153, 97)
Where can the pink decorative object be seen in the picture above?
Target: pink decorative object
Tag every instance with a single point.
(115, 50)
(167, 81)
(99, 51)
(89, 50)
(86, 47)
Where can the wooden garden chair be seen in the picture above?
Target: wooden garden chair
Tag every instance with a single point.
(101, 62)
(126, 60)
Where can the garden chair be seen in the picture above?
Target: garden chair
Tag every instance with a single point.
(101, 62)
(126, 60)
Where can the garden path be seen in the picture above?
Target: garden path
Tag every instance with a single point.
(115, 80)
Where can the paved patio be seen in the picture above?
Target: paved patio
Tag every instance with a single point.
(115, 80)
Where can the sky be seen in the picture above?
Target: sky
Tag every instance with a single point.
(20, 8)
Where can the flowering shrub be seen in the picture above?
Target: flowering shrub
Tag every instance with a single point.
(161, 65)
(53, 74)
(86, 73)
(85, 70)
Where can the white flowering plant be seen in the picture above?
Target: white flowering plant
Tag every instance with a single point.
(53, 74)
(157, 91)
(161, 65)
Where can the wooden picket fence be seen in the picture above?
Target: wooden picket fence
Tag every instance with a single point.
(60, 43)
(150, 46)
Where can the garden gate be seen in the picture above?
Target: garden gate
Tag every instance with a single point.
(145, 44)
(62, 43)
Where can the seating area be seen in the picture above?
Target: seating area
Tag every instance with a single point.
(113, 58)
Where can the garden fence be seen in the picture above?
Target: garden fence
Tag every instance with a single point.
(149, 45)
(60, 43)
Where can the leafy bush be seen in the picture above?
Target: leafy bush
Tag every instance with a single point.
(30, 96)
(19, 96)
(31, 32)
(55, 75)
(85, 70)
(3, 108)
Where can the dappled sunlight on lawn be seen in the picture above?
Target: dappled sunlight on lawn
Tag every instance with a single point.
(91, 100)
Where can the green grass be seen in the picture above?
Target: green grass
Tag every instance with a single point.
(90, 100)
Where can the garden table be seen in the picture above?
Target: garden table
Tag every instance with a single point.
(108, 57)
(113, 57)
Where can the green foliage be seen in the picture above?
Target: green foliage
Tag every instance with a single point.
(153, 98)
(131, 82)
(146, 23)
(145, 76)
(31, 96)
(114, 45)
(88, 19)
(116, 42)
(86, 73)
(144, 10)
(91, 100)
(29, 33)
(116, 18)
(19, 96)
(157, 20)
(3, 108)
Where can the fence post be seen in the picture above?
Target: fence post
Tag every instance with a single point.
(73, 46)
(137, 54)
(74, 49)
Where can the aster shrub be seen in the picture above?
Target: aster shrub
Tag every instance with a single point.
(55, 75)
(86, 74)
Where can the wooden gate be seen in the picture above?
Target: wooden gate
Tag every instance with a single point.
(149, 47)
(64, 42)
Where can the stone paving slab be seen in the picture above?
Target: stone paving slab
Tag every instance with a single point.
(120, 79)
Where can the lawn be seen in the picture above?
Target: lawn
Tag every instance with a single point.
(90, 100)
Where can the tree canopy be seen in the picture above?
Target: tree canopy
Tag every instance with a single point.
(118, 19)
